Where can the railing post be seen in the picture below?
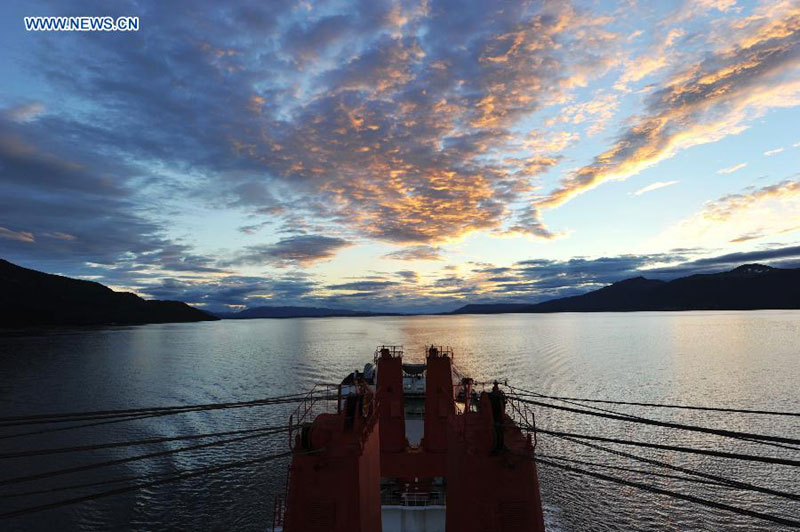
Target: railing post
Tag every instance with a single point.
(290, 430)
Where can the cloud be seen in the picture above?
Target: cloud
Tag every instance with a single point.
(234, 291)
(704, 102)
(732, 169)
(416, 253)
(409, 276)
(253, 228)
(754, 213)
(78, 209)
(301, 250)
(528, 222)
(732, 205)
(658, 57)
(363, 286)
(787, 255)
(411, 123)
(746, 237)
(21, 236)
(776, 151)
(59, 235)
(536, 280)
(654, 186)
(392, 119)
(692, 8)
(539, 279)
(526, 281)
(26, 112)
(597, 112)
(554, 141)
(307, 42)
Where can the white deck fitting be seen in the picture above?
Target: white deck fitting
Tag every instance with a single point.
(414, 431)
(414, 385)
(413, 518)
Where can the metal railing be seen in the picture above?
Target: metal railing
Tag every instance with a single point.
(317, 401)
(278, 512)
(523, 415)
(442, 350)
(413, 498)
(395, 351)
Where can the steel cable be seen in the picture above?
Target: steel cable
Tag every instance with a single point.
(131, 443)
(631, 470)
(667, 424)
(664, 405)
(691, 450)
(38, 476)
(125, 489)
(104, 414)
(690, 498)
(722, 480)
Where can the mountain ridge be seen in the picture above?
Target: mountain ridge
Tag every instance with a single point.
(30, 298)
(746, 287)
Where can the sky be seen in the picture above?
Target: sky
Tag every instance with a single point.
(399, 156)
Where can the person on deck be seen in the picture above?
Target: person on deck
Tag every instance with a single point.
(498, 401)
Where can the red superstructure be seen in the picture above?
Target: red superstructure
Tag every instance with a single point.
(412, 447)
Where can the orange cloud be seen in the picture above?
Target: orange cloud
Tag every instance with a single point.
(768, 211)
(597, 112)
(416, 145)
(706, 102)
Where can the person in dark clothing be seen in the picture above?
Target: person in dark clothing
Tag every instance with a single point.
(498, 400)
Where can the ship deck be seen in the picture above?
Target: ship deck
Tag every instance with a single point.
(413, 448)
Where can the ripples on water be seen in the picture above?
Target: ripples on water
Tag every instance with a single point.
(730, 359)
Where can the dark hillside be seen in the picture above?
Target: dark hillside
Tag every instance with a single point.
(31, 298)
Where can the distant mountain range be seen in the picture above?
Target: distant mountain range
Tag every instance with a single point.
(748, 287)
(32, 298)
(294, 312)
(29, 298)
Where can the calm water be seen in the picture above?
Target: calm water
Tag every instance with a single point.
(730, 359)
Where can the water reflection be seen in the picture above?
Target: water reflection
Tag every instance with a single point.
(736, 359)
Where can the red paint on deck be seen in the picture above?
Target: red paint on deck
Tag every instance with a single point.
(335, 475)
(389, 391)
(440, 405)
(334, 478)
(486, 491)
